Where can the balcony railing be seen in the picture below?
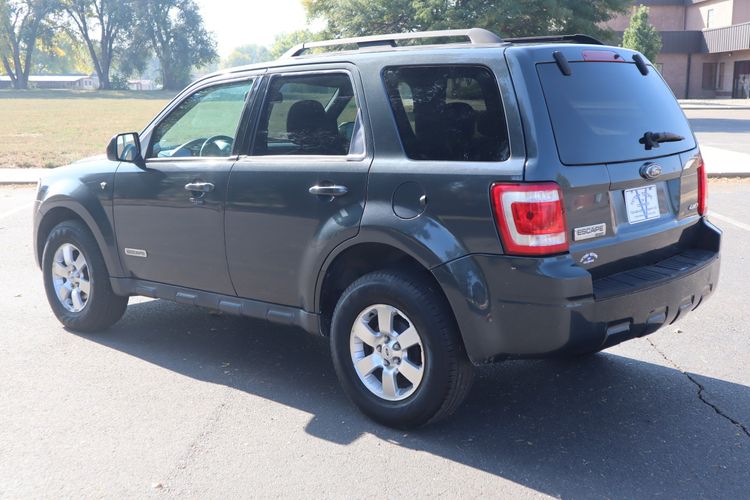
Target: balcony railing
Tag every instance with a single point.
(736, 37)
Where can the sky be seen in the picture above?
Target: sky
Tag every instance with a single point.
(236, 23)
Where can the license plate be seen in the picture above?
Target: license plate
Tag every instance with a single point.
(642, 204)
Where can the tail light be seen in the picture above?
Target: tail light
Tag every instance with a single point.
(702, 188)
(531, 218)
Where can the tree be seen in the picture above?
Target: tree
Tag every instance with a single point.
(286, 41)
(174, 31)
(22, 24)
(641, 35)
(510, 18)
(61, 55)
(104, 26)
(246, 54)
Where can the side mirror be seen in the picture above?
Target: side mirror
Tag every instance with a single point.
(126, 147)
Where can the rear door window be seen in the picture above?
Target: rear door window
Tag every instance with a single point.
(448, 113)
(601, 111)
(311, 114)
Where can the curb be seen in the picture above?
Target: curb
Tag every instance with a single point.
(715, 108)
(733, 175)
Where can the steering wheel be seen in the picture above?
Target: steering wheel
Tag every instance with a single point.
(211, 141)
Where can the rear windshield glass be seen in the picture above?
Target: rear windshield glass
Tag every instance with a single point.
(601, 111)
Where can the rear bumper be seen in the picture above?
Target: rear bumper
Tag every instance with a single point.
(510, 307)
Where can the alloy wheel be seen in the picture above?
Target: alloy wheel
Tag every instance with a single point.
(71, 278)
(387, 352)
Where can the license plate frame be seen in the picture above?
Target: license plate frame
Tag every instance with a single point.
(642, 204)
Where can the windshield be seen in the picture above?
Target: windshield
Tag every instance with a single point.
(601, 111)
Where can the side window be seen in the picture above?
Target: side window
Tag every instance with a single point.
(310, 115)
(448, 113)
(204, 124)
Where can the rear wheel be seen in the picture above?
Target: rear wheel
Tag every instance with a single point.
(397, 350)
(76, 280)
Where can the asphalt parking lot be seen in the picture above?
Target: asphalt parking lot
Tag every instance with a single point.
(724, 128)
(174, 401)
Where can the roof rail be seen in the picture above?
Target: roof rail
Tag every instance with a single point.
(578, 38)
(474, 35)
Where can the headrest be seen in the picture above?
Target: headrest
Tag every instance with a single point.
(306, 116)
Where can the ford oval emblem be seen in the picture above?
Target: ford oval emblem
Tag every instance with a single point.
(650, 171)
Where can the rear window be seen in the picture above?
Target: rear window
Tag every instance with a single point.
(601, 110)
(448, 113)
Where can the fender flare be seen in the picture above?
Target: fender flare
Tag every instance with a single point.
(387, 236)
(93, 214)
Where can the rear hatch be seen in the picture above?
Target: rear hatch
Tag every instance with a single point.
(627, 160)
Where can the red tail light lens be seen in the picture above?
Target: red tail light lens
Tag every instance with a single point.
(531, 218)
(702, 188)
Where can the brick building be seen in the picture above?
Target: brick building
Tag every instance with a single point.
(705, 45)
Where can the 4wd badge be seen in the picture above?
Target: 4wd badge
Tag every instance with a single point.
(588, 232)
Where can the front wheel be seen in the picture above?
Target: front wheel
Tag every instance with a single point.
(76, 280)
(397, 350)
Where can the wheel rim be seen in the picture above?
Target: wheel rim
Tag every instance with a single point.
(387, 352)
(71, 278)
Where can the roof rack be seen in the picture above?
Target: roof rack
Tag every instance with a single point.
(578, 38)
(474, 35)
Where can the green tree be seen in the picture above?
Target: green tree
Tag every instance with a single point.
(105, 26)
(510, 18)
(60, 55)
(22, 24)
(174, 31)
(286, 41)
(246, 54)
(641, 35)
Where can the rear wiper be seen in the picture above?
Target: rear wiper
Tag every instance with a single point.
(652, 139)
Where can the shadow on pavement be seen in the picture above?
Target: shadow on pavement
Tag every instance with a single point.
(605, 426)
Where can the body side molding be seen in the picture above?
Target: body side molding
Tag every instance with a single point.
(273, 313)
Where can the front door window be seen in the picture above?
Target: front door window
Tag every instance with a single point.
(202, 125)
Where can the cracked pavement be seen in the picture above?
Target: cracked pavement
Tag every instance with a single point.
(176, 402)
(701, 390)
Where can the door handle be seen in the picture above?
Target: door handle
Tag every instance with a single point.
(332, 190)
(199, 187)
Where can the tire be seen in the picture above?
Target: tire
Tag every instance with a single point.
(443, 373)
(96, 306)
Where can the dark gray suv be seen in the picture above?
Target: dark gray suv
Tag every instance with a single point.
(427, 207)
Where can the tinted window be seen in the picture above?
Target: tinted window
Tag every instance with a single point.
(310, 115)
(450, 113)
(601, 110)
(204, 124)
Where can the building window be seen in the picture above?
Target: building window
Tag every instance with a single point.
(710, 15)
(713, 76)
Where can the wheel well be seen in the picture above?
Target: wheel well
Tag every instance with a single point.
(50, 220)
(357, 261)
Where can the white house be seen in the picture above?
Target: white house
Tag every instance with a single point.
(83, 82)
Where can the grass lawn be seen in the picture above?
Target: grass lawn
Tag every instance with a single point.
(49, 128)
